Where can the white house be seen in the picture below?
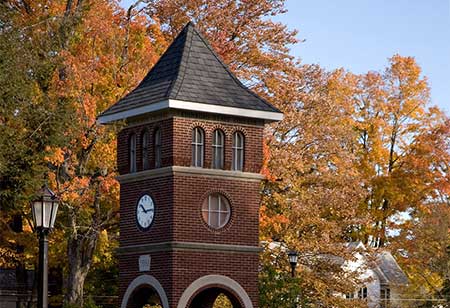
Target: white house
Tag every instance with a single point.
(382, 275)
(384, 278)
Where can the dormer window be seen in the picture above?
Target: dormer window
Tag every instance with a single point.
(218, 149)
(198, 138)
(132, 153)
(238, 152)
(145, 145)
(158, 148)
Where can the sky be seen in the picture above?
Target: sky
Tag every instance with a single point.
(360, 36)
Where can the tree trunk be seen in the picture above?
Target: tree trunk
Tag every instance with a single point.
(80, 250)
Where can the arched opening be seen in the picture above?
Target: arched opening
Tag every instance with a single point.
(145, 291)
(144, 297)
(204, 292)
(215, 297)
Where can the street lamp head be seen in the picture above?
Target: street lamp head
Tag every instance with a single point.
(44, 209)
(293, 258)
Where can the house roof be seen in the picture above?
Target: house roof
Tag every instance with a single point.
(391, 271)
(190, 71)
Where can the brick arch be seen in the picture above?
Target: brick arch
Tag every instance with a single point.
(142, 281)
(228, 285)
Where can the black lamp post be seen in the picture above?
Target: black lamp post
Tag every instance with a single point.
(293, 258)
(44, 210)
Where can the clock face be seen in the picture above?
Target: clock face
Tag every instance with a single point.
(145, 211)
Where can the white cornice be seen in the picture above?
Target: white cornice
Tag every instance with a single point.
(189, 171)
(191, 106)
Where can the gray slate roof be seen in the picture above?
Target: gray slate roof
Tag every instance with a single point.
(191, 71)
(390, 269)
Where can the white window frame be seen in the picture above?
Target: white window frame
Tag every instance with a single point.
(198, 147)
(238, 152)
(218, 152)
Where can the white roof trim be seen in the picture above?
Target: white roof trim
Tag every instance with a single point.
(184, 105)
(132, 112)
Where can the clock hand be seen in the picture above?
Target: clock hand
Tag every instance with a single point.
(143, 208)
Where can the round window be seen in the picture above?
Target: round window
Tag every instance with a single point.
(216, 211)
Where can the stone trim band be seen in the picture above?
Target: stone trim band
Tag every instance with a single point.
(168, 246)
(188, 171)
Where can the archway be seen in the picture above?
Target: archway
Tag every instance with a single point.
(145, 291)
(144, 297)
(203, 293)
(215, 297)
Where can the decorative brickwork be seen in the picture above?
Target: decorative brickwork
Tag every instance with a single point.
(178, 198)
(178, 131)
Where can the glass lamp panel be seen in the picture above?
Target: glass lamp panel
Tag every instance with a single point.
(293, 257)
(48, 205)
(55, 210)
(37, 213)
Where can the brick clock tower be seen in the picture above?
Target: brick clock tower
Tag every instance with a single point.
(189, 159)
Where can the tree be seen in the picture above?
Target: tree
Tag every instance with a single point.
(310, 202)
(256, 49)
(30, 122)
(391, 117)
(403, 155)
(91, 53)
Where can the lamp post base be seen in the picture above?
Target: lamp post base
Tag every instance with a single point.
(43, 269)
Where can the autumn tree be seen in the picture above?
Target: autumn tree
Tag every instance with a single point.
(310, 151)
(391, 117)
(91, 53)
(403, 152)
(30, 122)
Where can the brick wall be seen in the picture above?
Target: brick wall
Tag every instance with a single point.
(178, 199)
(178, 131)
(178, 269)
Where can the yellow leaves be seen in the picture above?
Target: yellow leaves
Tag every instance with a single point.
(73, 192)
(55, 156)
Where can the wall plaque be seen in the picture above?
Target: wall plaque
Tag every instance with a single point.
(144, 263)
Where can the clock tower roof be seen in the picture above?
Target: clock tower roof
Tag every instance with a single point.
(191, 76)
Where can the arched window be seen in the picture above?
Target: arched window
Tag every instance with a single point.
(145, 145)
(198, 138)
(238, 151)
(132, 153)
(158, 148)
(217, 149)
(216, 211)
